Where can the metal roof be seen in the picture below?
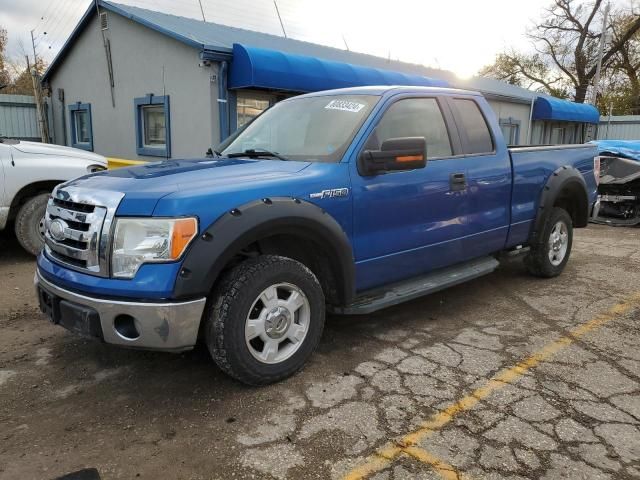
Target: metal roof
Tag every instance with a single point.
(217, 38)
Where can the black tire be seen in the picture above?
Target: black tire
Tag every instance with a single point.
(229, 306)
(29, 223)
(537, 261)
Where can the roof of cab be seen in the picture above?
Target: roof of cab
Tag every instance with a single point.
(381, 90)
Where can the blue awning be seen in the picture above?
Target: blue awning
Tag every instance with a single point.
(272, 69)
(549, 108)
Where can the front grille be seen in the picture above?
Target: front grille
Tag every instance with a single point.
(73, 232)
(78, 227)
(76, 207)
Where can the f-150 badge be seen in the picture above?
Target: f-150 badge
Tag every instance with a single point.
(331, 193)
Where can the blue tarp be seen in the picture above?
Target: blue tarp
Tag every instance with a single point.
(548, 108)
(619, 148)
(272, 69)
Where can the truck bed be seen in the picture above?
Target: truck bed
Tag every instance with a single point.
(531, 166)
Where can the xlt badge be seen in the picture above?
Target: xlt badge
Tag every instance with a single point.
(331, 193)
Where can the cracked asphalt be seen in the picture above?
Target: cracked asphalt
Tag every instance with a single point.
(505, 377)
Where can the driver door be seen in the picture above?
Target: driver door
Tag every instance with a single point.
(409, 222)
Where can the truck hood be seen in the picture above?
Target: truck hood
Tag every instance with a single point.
(144, 185)
(35, 148)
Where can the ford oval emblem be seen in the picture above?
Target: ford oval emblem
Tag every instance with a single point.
(57, 228)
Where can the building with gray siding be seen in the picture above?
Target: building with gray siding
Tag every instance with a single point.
(18, 117)
(139, 84)
(619, 127)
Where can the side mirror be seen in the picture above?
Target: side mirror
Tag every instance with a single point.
(407, 153)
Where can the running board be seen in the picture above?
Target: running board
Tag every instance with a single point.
(383, 297)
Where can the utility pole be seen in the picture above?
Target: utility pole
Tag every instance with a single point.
(603, 39)
(280, 18)
(37, 93)
(590, 132)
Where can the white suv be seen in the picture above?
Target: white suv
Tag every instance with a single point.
(28, 173)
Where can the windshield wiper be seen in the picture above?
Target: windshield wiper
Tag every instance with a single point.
(252, 153)
(213, 153)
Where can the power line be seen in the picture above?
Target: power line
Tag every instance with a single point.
(280, 18)
(44, 14)
(61, 29)
(51, 23)
(202, 11)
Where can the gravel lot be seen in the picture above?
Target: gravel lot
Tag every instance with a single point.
(504, 377)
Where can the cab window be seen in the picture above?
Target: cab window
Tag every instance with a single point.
(474, 126)
(414, 117)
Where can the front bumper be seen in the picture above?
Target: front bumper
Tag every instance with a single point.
(166, 326)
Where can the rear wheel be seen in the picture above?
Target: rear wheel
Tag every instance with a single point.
(29, 225)
(265, 319)
(551, 252)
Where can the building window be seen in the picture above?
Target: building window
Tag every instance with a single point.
(153, 129)
(81, 130)
(510, 130)
(248, 107)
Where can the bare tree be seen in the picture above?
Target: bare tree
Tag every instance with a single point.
(566, 43)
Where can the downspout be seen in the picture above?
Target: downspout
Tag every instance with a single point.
(64, 117)
(530, 125)
(223, 97)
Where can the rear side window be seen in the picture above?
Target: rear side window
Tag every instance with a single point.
(413, 117)
(475, 126)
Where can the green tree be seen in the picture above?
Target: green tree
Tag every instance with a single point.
(625, 63)
(21, 82)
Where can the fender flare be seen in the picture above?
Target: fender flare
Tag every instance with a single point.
(561, 179)
(238, 228)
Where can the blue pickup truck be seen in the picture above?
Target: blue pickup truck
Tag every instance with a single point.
(345, 201)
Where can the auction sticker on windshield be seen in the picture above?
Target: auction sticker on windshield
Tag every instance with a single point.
(345, 105)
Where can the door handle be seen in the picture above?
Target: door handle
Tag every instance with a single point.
(457, 182)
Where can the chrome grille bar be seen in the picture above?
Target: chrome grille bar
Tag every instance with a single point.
(66, 250)
(78, 227)
(71, 215)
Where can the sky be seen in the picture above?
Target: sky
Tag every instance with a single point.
(457, 35)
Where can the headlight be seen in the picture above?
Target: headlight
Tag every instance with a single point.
(147, 240)
(95, 168)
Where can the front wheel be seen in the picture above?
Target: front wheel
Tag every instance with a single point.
(29, 225)
(550, 254)
(265, 319)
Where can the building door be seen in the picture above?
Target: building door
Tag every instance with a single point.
(510, 130)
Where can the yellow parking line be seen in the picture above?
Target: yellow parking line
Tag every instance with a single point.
(446, 471)
(383, 457)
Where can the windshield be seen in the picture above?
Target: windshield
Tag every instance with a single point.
(314, 129)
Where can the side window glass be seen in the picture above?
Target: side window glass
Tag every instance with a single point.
(474, 125)
(413, 117)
